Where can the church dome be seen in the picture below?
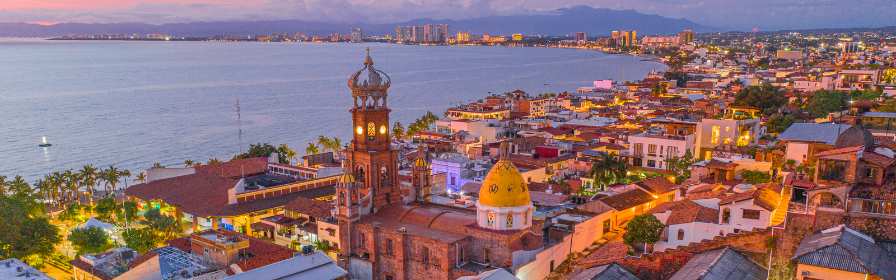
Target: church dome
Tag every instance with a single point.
(855, 136)
(369, 78)
(504, 186)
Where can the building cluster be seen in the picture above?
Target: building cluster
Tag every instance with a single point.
(422, 34)
(524, 186)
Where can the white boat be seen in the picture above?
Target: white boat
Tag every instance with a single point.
(44, 143)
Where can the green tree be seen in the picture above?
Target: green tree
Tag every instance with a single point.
(90, 240)
(286, 154)
(164, 226)
(607, 170)
(106, 209)
(398, 131)
(88, 176)
(141, 240)
(27, 233)
(188, 163)
(257, 150)
(312, 149)
(755, 177)
(681, 166)
(111, 177)
(766, 97)
(128, 212)
(824, 102)
(643, 229)
(779, 123)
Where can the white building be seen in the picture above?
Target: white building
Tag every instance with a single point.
(712, 133)
(15, 269)
(654, 150)
(686, 222)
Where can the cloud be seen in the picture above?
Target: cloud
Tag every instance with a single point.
(741, 14)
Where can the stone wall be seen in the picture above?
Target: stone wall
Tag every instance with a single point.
(662, 265)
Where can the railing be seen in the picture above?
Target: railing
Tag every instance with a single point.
(872, 206)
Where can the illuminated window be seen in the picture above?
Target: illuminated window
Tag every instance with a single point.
(716, 134)
(371, 129)
(744, 138)
(490, 219)
(359, 130)
(382, 129)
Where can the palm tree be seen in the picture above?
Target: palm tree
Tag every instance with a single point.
(607, 171)
(312, 149)
(188, 163)
(324, 142)
(3, 185)
(142, 177)
(111, 176)
(44, 189)
(126, 174)
(68, 185)
(19, 186)
(89, 179)
(397, 131)
(286, 152)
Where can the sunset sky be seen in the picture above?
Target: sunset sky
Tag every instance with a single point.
(739, 14)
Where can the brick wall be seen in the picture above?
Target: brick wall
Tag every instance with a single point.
(661, 265)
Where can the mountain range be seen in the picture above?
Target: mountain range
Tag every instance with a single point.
(594, 21)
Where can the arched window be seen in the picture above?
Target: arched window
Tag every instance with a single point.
(726, 216)
(680, 234)
(509, 219)
(359, 174)
(490, 219)
(384, 176)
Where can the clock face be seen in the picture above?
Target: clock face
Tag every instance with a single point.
(359, 130)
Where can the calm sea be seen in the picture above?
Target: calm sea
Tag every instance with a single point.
(135, 103)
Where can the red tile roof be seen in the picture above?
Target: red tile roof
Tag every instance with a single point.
(687, 211)
(235, 168)
(658, 185)
(199, 194)
(311, 207)
(878, 159)
(627, 199)
(764, 197)
(840, 151)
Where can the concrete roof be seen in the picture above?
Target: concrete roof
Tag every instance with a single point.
(814, 132)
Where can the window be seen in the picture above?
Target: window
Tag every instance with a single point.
(651, 150)
(361, 240)
(716, 134)
(371, 129)
(388, 247)
(509, 219)
(490, 219)
(606, 226)
(680, 234)
(726, 216)
(751, 214)
(651, 163)
(424, 255)
(639, 149)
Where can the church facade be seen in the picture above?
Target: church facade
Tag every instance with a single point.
(381, 237)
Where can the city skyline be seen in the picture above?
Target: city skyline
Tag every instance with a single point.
(724, 15)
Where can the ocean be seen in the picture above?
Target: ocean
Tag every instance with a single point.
(131, 104)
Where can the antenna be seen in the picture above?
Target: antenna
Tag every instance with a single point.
(239, 123)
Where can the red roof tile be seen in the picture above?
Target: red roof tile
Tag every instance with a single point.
(311, 207)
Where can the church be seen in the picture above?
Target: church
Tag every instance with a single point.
(382, 237)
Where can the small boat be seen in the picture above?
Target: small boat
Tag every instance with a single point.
(44, 143)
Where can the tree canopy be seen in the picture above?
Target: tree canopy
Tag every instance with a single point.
(644, 228)
(766, 97)
(27, 234)
(779, 123)
(90, 240)
(824, 102)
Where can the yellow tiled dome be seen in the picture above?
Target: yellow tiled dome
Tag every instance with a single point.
(504, 186)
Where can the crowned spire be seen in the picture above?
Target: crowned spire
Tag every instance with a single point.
(368, 60)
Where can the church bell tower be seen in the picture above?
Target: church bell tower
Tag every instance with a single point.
(370, 158)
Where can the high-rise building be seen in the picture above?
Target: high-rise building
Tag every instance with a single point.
(624, 38)
(463, 37)
(417, 34)
(435, 33)
(357, 35)
(581, 37)
(686, 36)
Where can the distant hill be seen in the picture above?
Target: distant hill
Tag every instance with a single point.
(594, 21)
